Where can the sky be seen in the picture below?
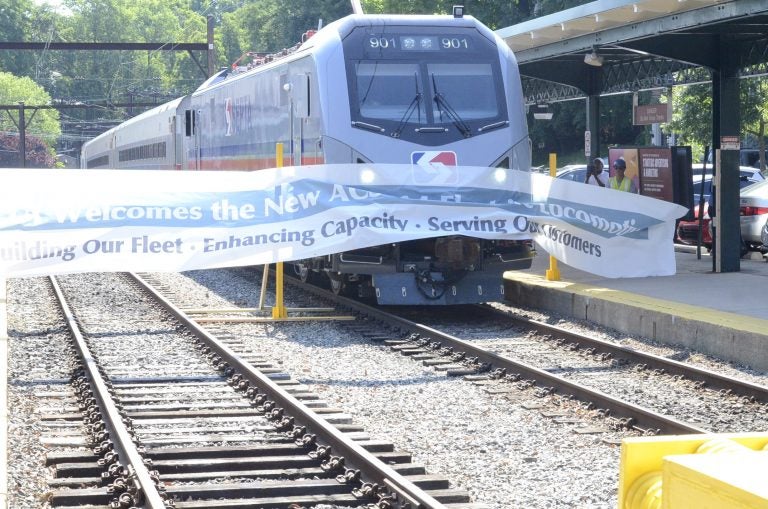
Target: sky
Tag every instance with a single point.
(56, 4)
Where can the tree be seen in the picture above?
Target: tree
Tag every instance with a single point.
(692, 114)
(115, 76)
(42, 129)
(754, 113)
(38, 153)
(15, 25)
(272, 25)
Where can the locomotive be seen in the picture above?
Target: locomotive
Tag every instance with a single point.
(398, 89)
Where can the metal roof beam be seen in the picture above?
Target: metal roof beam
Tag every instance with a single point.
(693, 49)
(652, 28)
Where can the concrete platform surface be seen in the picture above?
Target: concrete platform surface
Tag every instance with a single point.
(721, 314)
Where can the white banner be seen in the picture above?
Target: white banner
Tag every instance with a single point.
(66, 221)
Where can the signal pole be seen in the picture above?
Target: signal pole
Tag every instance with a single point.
(211, 55)
(22, 137)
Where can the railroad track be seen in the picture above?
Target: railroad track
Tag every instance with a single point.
(205, 426)
(628, 389)
(647, 392)
(482, 329)
(632, 389)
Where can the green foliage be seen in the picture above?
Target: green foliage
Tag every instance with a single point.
(114, 75)
(692, 117)
(16, 22)
(692, 114)
(754, 113)
(271, 25)
(44, 124)
(544, 7)
(493, 13)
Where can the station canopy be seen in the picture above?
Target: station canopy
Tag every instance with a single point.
(637, 45)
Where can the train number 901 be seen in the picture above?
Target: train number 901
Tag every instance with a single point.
(454, 43)
(381, 42)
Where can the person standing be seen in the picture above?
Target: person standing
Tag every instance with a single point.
(595, 174)
(619, 181)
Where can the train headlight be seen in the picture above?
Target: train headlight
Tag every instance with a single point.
(367, 176)
(500, 175)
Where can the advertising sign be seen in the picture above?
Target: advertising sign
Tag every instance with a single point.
(632, 172)
(656, 173)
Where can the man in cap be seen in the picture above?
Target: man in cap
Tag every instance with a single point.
(595, 174)
(619, 181)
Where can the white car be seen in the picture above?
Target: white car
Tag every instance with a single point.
(744, 171)
(573, 172)
(753, 207)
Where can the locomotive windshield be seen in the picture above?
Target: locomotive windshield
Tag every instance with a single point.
(430, 87)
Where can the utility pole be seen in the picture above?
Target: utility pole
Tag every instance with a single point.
(211, 54)
(22, 137)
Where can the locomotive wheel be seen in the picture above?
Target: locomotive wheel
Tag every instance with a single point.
(304, 273)
(338, 285)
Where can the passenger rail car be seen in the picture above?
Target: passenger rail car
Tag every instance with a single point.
(365, 89)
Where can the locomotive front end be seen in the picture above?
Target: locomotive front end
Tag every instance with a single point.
(427, 91)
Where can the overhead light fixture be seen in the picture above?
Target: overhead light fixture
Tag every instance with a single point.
(593, 59)
(541, 112)
(458, 11)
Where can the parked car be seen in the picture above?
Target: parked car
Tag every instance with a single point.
(688, 231)
(577, 172)
(706, 185)
(744, 171)
(764, 237)
(747, 157)
(574, 172)
(753, 207)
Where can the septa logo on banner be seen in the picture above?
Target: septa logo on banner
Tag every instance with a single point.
(432, 165)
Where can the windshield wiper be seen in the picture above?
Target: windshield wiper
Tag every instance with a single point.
(415, 105)
(495, 125)
(442, 104)
(370, 127)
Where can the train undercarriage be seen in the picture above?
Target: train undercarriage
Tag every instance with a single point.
(446, 270)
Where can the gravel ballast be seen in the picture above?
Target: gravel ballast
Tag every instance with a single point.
(504, 454)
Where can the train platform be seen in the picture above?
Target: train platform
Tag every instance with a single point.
(720, 314)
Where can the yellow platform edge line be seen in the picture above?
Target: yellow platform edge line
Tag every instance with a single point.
(683, 311)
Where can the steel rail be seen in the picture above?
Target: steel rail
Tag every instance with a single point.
(118, 433)
(644, 418)
(672, 367)
(371, 468)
